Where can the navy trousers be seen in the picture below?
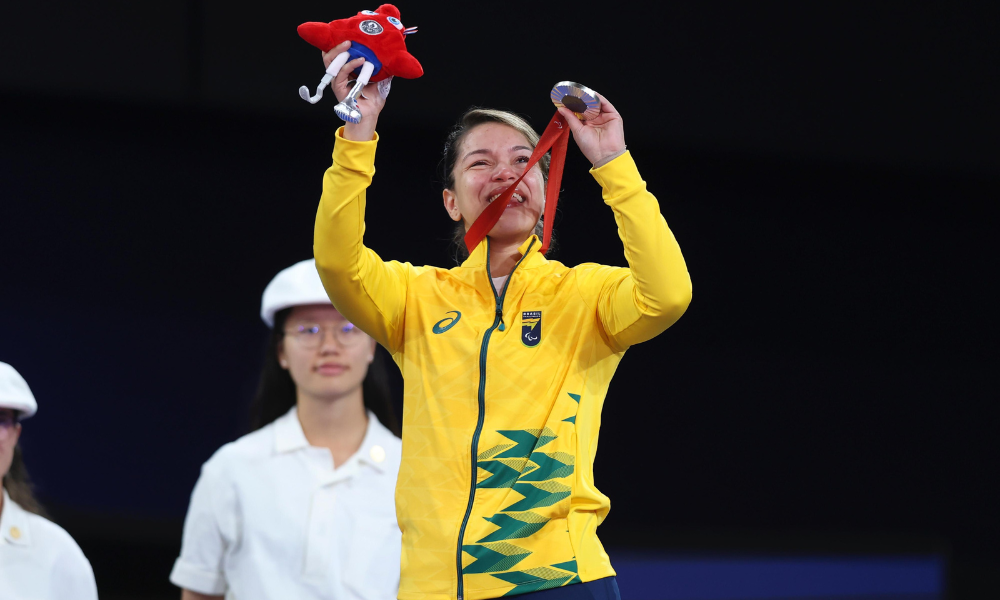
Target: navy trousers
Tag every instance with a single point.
(600, 589)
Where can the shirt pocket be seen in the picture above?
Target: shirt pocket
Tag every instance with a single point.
(372, 565)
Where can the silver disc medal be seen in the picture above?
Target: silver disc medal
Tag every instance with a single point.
(578, 98)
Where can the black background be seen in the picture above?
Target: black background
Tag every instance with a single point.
(829, 170)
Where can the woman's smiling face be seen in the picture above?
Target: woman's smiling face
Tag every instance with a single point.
(492, 156)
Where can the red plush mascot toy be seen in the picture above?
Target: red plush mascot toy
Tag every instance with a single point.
(379, 37)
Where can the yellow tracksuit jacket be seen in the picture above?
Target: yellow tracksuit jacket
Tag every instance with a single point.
(503, 388)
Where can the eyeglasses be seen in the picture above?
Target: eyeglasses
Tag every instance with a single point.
(8, 422)
(312, 336)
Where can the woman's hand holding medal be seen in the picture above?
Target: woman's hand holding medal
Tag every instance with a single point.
(601, 138)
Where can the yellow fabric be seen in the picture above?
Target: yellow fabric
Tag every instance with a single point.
(532, 522)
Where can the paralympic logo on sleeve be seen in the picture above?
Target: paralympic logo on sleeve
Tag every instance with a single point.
(448, 322)
(531, 328)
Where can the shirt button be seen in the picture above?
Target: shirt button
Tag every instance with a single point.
(377, 453)
(15, 533)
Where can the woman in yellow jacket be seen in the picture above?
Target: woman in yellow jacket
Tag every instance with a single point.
(506, 358)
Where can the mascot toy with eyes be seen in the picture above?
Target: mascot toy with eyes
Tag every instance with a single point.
(379, 37)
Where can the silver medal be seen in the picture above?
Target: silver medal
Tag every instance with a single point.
(578, 98)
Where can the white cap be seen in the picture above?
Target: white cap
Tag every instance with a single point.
(297, 285)
(14, 392)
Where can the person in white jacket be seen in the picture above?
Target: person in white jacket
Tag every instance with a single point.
(302, 507)
(38, 559)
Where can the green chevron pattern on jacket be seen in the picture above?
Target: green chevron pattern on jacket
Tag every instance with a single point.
(503, 472)
(493, 557)
(541, 578)
(550, 466)
(576, 398)
(530, 473)
(538, 495)
(494, 451)
(524, 525)
(526, 441)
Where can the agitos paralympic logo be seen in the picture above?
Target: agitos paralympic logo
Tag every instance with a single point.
(447, 323)
(531, 328)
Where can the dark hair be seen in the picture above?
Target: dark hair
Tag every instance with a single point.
(18, 485)
(276, 393)
(452, 145)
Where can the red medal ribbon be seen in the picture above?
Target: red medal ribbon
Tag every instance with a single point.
(556, 137)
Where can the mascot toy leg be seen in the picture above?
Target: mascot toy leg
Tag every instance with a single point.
(331, 72)
(348, 109)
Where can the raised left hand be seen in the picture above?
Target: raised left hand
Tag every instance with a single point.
(601, 138)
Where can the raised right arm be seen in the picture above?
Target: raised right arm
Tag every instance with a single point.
(369, 292)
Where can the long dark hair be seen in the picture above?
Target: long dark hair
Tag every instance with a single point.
(452, 145)
(276, 392)
(18, 485)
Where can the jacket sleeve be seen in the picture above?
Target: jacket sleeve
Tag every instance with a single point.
(369, 292)
(639, 303)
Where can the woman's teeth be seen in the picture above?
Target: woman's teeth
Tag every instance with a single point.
(515, 197)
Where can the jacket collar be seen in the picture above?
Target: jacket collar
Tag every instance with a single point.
(477, 258)
(14, 523)
(373, 451)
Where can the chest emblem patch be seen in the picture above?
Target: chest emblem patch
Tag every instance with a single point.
(531, 328)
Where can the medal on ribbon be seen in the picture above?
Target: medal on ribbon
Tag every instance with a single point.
(584, 103)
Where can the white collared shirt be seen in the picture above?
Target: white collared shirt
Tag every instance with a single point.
(39, 560)
(271, 518)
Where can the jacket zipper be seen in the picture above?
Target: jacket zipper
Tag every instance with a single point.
(497, 320)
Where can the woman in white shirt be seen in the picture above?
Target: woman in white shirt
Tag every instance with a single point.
(303, 506)
(38, 559)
